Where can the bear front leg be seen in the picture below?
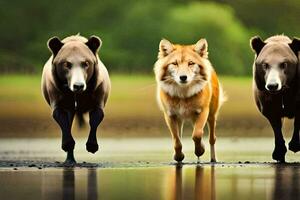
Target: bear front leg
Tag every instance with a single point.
(64, 120)
(272, 110)
(96, 117)
(294, 144)
(280, 149)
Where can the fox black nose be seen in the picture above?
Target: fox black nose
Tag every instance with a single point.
(183, 78)
(272, 86)
(78, 87)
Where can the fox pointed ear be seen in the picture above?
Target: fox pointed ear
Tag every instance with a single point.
(54, 44)
(257, 44)
(295, 45)
(165, 48)
(94, 43)
(201, 48)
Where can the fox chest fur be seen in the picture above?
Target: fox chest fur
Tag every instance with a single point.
(185, 108)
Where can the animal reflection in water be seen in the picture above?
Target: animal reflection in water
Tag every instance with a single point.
(178, 183)
(287, 183)
(72, 186)
(203, 188)
(275, 183)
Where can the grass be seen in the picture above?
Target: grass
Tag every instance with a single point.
(131, 94)
(131, 108)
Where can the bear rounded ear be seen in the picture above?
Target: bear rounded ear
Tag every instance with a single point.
(295, 45)
(54, 44)
(201, 48)
(165, 48)
(94, 43)
(257, 44)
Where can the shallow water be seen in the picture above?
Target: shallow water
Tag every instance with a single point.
(119, 152)
(171, 182)
(143, 169)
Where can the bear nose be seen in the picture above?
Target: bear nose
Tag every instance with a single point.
(183, 78)
(272, 86)
(78, 87)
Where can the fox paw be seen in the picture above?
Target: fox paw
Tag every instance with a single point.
(178, 156)
(199, 149)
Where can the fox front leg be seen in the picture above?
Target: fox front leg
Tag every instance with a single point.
(175, 126)
(199, 123)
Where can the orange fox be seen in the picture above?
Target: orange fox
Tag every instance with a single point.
(188, 89)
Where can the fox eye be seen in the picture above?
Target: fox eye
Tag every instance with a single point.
(174, 63)
(85, 64)
(265, 66)
(283, 65)
(191, 63)
(67, 64)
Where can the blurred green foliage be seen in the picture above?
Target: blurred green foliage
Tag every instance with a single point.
(131, 30)
(227, 38)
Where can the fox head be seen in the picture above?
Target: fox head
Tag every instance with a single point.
(182, 70)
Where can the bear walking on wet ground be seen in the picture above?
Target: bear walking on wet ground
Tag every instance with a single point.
(75, 82)
(276, 87)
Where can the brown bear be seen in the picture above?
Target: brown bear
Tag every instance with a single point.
(75, 82)
(276, 86)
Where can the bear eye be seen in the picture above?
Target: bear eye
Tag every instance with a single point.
(190, 63)
(67, 65)
(265, 66)
(283, 65)
(85, 64)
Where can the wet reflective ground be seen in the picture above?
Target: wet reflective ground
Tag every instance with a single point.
(171, 182)
(143, 169)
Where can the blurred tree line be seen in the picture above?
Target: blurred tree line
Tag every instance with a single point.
(131, 30)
